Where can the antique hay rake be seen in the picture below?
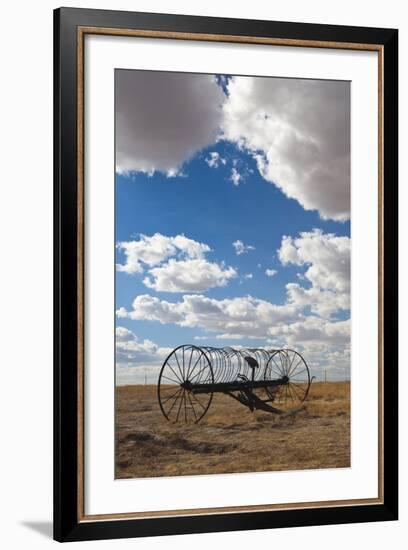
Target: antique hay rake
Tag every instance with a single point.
(191, 375)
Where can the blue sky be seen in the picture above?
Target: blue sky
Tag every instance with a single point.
(223, 193)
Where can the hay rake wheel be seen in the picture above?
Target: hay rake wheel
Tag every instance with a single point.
(185, 365)
(290, 364)
(274, 381)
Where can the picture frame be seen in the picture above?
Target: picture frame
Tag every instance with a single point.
(71, 27)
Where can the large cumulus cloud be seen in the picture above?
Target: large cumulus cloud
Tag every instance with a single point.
(298, 131)
(162, 118)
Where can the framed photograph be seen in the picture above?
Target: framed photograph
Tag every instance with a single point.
(225, 274)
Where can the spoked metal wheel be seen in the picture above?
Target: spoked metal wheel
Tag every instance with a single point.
(289, 365)
(183, 368)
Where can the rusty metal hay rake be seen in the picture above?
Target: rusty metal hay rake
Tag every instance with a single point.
(275, 381)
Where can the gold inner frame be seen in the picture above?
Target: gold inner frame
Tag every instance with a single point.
(81, 33)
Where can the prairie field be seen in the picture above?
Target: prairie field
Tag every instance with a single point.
(230, 438)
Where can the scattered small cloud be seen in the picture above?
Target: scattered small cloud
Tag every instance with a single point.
(241, 248)
(214, 160)
(270, 272)
(235, 176)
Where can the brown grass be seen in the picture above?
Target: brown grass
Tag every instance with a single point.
(230, 438)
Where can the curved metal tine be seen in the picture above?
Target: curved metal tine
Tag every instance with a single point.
(227, 367)
(283, 361)
(276, 365)
(191, 350)
(241, 364)
(202, 367)
(195, 363)
(258, 358)
(231, 368)
(234, 357)
(232, 365)
(245, 353)
(264, 369)
(195, 376)
(217, 366)
(220, 366)
(240, 370)
(203, 363)
(265, 357)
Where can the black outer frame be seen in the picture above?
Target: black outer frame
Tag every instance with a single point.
(66, 525)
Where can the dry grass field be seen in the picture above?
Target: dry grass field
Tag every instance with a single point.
(230, 438)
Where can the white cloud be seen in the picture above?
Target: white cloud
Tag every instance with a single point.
(214, 160)
(324, 344)
(327, 258)
(241, 248)
(245, 315)
(249, 276)
(322, 302)
(235, 176)
(173, 264)
(298, 131)
(313, 330)
(132, 352)
(163, 118)
(188, 276)
(135, 358)
(270, 272)
(151, 251)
